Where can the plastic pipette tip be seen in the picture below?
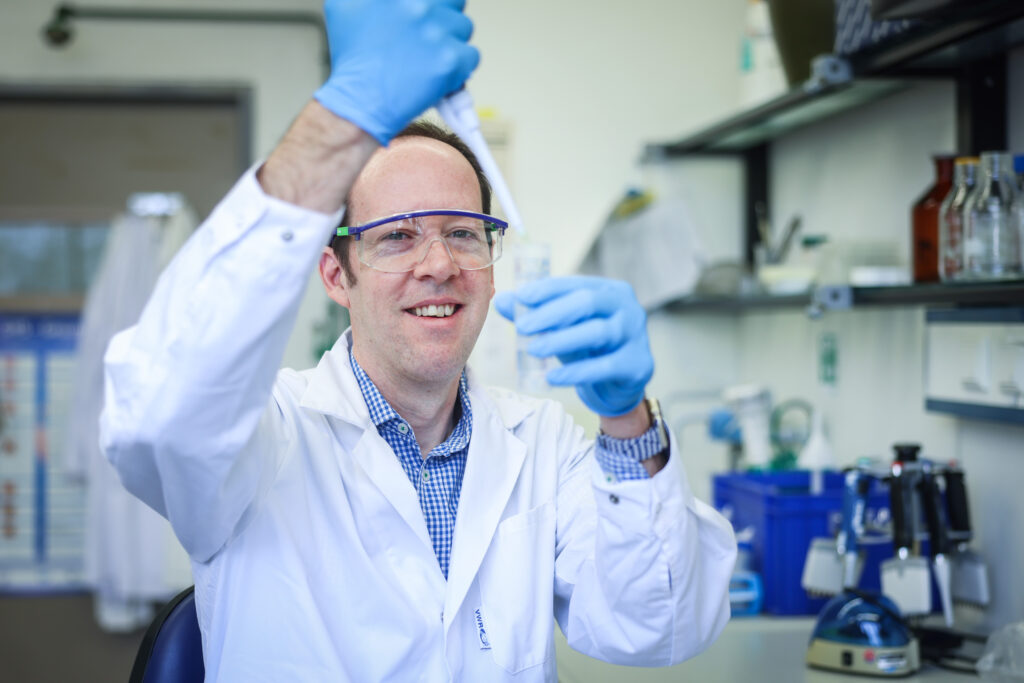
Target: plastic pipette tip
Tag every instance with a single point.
(458, 112)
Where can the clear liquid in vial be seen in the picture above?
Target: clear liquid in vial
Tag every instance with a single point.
(532, 262)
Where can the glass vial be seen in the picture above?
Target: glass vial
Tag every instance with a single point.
(925, 220)
(951, 219)
(992, 236)
(532, 262)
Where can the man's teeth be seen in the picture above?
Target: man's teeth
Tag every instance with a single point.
(442, 311)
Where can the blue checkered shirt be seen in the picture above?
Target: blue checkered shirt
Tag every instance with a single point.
(437, 478)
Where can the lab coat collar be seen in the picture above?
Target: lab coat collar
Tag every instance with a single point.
(333, 390)
(493, 464)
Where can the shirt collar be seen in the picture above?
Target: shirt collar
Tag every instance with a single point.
(381, 412)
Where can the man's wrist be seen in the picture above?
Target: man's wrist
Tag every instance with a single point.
(649, 447)
(317, 160)
(628, 426)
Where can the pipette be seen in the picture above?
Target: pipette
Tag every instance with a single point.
(458, 112)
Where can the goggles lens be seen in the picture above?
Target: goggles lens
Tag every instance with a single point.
(398, 244)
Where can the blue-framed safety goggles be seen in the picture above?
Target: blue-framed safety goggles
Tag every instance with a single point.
(398, 243)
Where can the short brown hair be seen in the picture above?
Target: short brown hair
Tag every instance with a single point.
(424, 129)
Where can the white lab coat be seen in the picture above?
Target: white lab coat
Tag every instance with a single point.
(311, 557)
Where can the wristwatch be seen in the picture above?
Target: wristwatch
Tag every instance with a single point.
(657, 423)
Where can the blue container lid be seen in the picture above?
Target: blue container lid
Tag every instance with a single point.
(1018, 163)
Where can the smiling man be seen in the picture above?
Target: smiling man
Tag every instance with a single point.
(383, 516)
(413, 330)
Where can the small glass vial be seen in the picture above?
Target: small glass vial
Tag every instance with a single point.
(951, 219)
(992, 236)
(532, 262)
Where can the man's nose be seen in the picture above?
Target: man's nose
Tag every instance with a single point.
(437, 261)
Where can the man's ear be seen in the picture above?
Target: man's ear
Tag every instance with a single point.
(333, 276)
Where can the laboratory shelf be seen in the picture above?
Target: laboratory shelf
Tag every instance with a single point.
(790, 111)
(839, 297)
(934, 50)
(42, 303)
(738, 304)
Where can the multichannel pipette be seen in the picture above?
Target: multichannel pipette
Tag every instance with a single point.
(458, 112)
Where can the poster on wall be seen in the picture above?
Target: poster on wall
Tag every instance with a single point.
(42, 507)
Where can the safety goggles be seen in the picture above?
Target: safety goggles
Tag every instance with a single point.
(399, 243)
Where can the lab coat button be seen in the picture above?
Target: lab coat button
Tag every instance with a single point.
(287, 236)
(614, 499)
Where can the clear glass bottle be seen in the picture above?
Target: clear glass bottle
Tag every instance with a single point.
(1018, 205)
(992, 236)
(951, 219)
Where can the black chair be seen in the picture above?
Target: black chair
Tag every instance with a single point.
(172, 649)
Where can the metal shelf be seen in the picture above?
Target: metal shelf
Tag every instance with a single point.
(934, 50)
(788, 112)
(841, 297)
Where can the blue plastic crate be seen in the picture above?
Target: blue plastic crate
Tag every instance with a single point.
(785, 517)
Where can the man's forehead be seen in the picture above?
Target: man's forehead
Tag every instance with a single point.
(414, 173)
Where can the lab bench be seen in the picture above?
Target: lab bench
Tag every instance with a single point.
(750, 650)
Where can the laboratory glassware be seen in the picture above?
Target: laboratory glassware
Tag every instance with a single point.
(532, 262)
(951, 219)
(752, 405)
(992, 236)
(925, 220)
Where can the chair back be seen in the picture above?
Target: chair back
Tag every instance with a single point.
(172, 649)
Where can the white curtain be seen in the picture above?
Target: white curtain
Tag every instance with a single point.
(132, 558)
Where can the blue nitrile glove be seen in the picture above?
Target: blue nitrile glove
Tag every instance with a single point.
(393, 59)
(597, 329)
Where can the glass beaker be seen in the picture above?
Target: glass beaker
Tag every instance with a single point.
(992, 236)
(532, 262)
(951, 219)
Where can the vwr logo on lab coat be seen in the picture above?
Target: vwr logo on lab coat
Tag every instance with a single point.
(484, 643)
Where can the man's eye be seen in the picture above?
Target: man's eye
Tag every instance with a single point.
(468, 234)
(395, 236)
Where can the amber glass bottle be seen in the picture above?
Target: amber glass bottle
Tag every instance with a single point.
(925, 219)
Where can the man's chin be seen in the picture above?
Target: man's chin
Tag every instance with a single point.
(443, 366)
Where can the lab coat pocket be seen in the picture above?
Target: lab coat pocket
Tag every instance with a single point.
(517, 586)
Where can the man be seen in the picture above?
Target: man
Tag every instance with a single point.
(384, 517)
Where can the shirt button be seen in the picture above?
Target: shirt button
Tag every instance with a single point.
(404, 428)
(614, 499)
(426, 475)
